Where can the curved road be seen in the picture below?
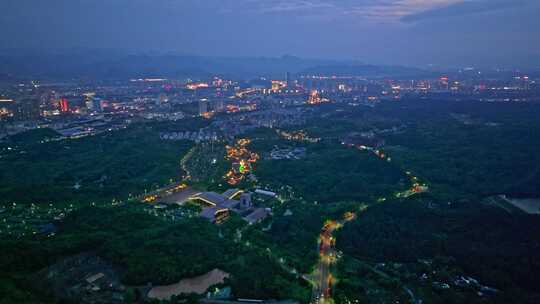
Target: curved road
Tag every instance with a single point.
(322, 278)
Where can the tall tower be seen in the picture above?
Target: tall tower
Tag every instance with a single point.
(289, 80)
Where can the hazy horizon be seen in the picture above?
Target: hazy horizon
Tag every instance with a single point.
(446, 33)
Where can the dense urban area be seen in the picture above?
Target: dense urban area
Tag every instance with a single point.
(310, 187)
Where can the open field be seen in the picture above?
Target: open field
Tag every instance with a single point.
(198, 285)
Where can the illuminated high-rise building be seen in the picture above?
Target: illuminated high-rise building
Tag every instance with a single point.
(89, 101)
(27, 109)
(99, 104)
(203, 106)
(64, 105)
(444, 83)
(289, 81)
(527, 83)
(219, 105)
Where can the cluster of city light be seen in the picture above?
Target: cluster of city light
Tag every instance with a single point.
(378, 152)
(197, 85)
(277, 85)
(148, 80)
(207, 115)
(241, 94)
(5, 112)
(416, 187)
(242, 160)
(177, 188)
(298, 136)
(232, 108)
(315, 98)
(150, 198)
(322, 77)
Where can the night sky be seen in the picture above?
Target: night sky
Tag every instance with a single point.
(407, 32)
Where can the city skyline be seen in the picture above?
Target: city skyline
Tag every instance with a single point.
(405, 32)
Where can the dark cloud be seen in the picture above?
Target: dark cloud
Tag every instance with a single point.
(469, 7)
(410, 32)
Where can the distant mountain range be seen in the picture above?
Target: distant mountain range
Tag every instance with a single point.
(101, 64)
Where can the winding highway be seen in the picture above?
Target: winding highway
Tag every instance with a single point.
(322, 278)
